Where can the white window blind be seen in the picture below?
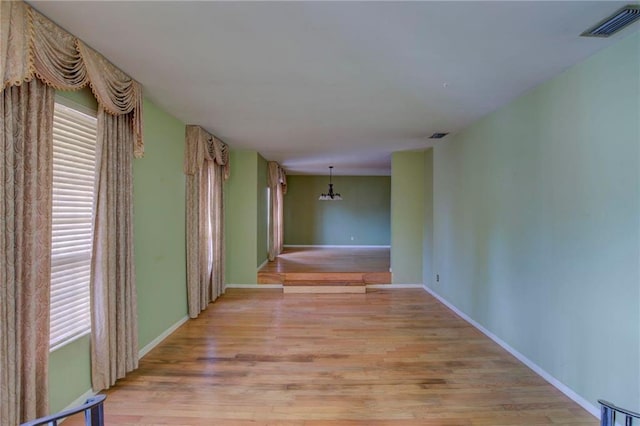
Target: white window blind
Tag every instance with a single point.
(74, 149)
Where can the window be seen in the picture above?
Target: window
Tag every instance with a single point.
(74, 151)
(269, 219)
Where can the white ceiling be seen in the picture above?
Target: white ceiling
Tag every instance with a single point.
(311, 84)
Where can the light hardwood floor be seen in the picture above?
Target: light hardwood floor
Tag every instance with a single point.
(385, 357)
(331, 259)
(328, 266)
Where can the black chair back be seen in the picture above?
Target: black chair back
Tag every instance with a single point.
(609, 414)
(93, 414)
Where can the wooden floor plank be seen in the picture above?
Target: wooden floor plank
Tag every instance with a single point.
(381, 358)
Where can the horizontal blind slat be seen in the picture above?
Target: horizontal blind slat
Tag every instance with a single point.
(74, 148)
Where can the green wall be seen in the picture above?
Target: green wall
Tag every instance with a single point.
(537, 225)
(427, 247)
(262, 251)
(246, 217)
(159, 225)
(241, 218)
(407, 216)
(361, 218)
(69, 373)
(159, 247)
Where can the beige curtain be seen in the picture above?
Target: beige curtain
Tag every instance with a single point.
(26, 161)
(206, 164)
(33, 48)
(277, 181)
(114, 333)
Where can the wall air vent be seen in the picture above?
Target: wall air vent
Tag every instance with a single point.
(614, 23)
(438, 135)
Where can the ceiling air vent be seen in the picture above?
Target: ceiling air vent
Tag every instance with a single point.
(438, 135)
(614, 23)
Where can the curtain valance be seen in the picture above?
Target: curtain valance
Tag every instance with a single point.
(32, 45)
(206, 164)
(201, 146)
(277, 176)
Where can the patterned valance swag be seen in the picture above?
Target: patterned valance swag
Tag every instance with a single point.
(31, 46)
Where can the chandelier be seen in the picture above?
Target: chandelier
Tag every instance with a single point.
(330, 196)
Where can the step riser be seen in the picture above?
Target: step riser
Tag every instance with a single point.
(323, 283)
(324, 289)
(325, 278)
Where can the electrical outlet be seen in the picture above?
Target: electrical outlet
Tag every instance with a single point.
(353, 238)
(437, 278)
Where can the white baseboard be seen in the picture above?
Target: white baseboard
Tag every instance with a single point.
(142, 352)
(155, 342)
(254, 286)
(372, 286)
(80, 400)
(593, 410)
(333, 246)
(393, 286)
(263, 263)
